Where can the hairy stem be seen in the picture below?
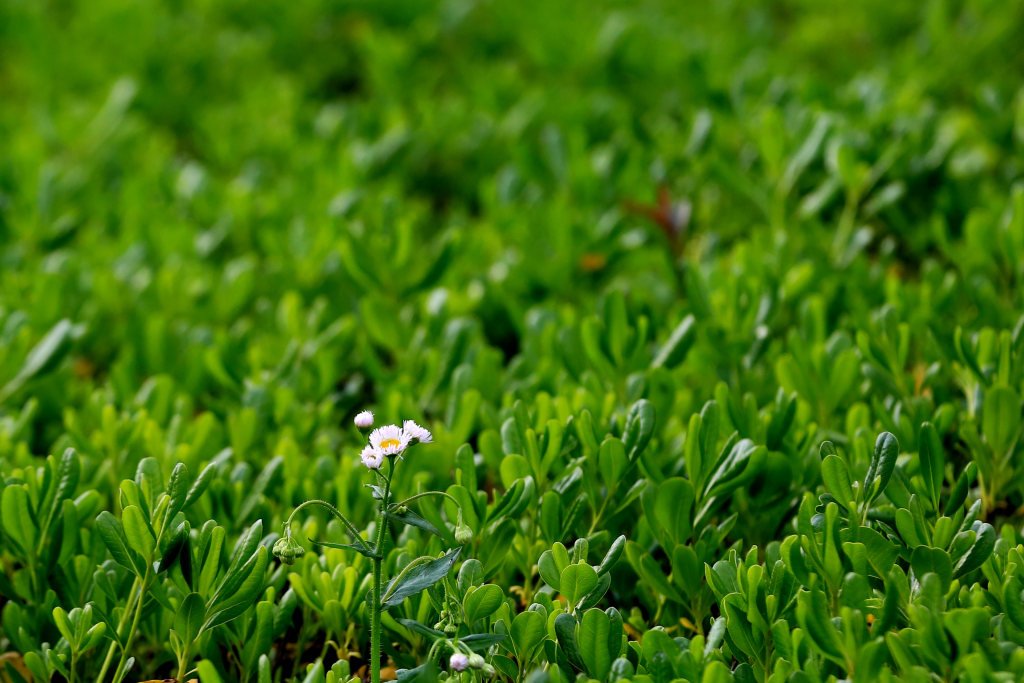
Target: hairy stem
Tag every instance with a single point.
(412, 499)
(378, 553)
(352, 531)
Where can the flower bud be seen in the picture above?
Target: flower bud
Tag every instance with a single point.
(476, 661)
(459, 662)
(364, 419)
(287, 550)
(463, 534)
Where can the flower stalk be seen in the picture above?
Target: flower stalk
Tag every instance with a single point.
(378, 552)
(386, 444)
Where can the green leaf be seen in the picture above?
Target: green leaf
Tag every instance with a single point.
(245, 546)
(925, 560)
(231, 604)
(412, 519)
(599, 638)
(201, 483)
(639, 428)
(932, 462)
(717, 672)
(515, 499)
(959, 493)
(263, 671)
(612, 463)
(576, 581)
(551, 564)
(497, 541)
(836, 475)
(206, 672)
(622, 670)
(1001, 418)
(471, 573)
(189, 618)
(44, 356)
(883, 462)
(256, 490)
(261, 636)
(419, 578)
(968, 626)
(481, 641)
(177, 544)
(112, 534)
(68, 471)
(60, 617)
(980, 550)
(687, 569)
(93, 636)
(890, 612)
(421, 629)
(812, 613)
(17, 517)
(234, 576)
(529, 628)
(137, 532)
(177, 488)
(565, 632)
(482, 601)
(738, 626)
(611, 557)
(650, 571)
(1013, 600)
(734, 468)
(674, 351)
(673, 508)
(362, 550)
(505, 666)
(881, 553)
(551, 516)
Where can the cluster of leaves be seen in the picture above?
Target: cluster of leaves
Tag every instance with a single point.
(714, 312)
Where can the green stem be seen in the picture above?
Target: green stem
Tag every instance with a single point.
(134, 627)
(599, 515)
(352, 531)
(412, 499)
(183, 662)
(300, 646)
(661, 608)
(122, 622)
(378, 553)
(375, 623)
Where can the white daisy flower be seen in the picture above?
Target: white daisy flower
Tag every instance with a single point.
(414, 431)
(389, 439)
(364, 419)
(372, 457)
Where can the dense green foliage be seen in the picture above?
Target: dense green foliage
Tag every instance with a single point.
(714, 310)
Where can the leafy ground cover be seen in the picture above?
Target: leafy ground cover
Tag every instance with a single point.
(714, 314)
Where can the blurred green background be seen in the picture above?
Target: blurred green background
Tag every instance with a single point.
(175, 170)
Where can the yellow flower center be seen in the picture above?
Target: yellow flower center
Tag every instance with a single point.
(388, 443)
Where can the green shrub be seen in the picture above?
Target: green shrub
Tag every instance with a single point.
(714, 312)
